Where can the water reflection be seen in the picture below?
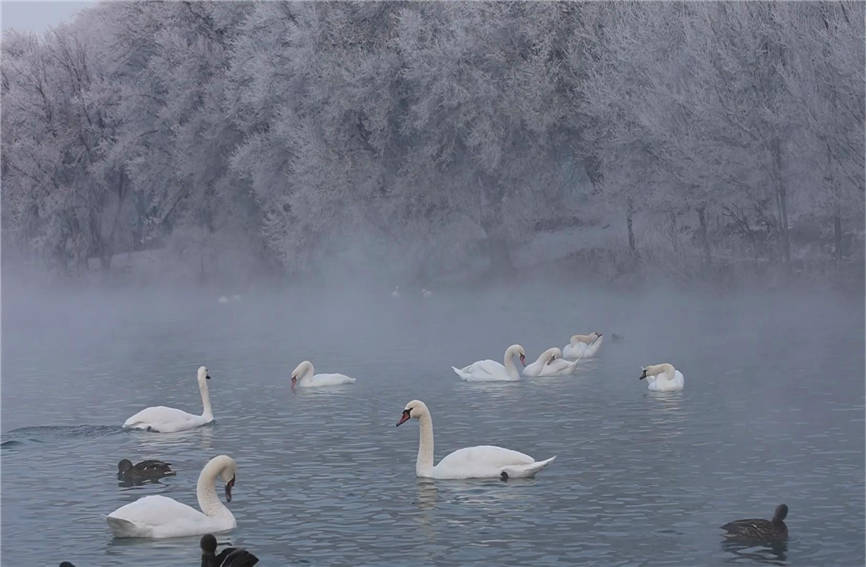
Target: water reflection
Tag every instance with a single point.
(771, 553)
(156, 442)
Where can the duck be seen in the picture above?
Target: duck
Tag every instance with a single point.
(162, 419)
(582, 346)
(303, 377)
(662, 378)
(491, 371)
(550, 363)
(145, 470)
(483, 461)
(773, 530)
(157, 517)
(229, 557)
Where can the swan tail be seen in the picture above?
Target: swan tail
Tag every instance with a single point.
(525, 471)
(123, 528)
(463, 375)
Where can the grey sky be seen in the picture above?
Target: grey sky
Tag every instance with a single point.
(38, 16)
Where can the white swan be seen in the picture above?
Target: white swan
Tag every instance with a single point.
(489, 371)
(303, 377)
(167, 420)
(662, 378)
(551, 363)
(582, 346)
(159, 516)
(483, 461)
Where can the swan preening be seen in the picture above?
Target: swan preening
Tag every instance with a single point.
(167, 420)
(582, 346)
(758, 529)
(142, 471)
(662, 378)
(550, 363)
(490, 371)
(303, 377)
(483, 461)
(160, 517)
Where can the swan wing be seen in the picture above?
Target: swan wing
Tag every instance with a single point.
(483, 371)
(150, 515)
(326, 380)
(164, 420)
(483, 461)
(525, 471)
(558, 367)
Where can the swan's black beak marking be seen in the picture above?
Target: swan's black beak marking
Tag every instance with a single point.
(523, 360)
(207, 376)
(403, 417)
(229, 486)
(643, 374)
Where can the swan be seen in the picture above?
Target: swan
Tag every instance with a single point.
(551, 363)
(168, 420)
(483, 461)
(760, 530)
(303, 377)
(488, 370)
(145, 470)
(396, 291)
(662, 378)
(426, 293)
(582, 346)
(229, 557)
(159, 517)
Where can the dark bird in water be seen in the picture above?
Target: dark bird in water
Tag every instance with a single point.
(229, 557)
(143, 471)
(760, 530)
(66, 564)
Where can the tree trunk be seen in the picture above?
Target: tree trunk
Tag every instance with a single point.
(780, 193)
(629, 212)
(705, 242)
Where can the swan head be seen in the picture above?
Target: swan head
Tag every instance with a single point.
(203, 375)
(552, 354)
(654, 369)
(780, 513)
(517, 350)
(304, 368)
(414, 409)
(227, 473)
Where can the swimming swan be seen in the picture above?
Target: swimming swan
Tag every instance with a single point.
(662, 378)
(550, 363)
(167, 420)
(483, 461)
(303, 377)
(582, 346)
(159, 517)
(490, 371)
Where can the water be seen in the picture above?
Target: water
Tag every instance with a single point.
(773, 411)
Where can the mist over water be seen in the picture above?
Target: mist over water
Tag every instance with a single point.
(772, 412)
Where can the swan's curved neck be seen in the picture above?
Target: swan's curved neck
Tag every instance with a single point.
(509, 364)
(209, 502)
(424, 461)
(207, 412)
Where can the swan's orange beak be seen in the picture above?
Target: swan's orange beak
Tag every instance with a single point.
(229, 486)
(404, 417)
(523, 360)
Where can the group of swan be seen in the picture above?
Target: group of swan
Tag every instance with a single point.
(552, 361)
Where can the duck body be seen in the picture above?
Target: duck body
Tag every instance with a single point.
(758, 530)
(162, 419)
(151, 469)
(228, 557)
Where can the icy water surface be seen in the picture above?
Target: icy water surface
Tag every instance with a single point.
(773, 411)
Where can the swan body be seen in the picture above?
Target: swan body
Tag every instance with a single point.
(303, 377)
(161, 517)
(758, 529)
(582, 346)
(491, 371)
(483, 461)
(167, 420)
(662, 378)
(550, 363)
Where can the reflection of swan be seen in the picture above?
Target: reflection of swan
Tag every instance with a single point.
(488, 370)
(303, 377)
(662, 378)
(760, 530)
(160, 517)
(229, 557)
(483, 461)
(550, 363)
(583, 346)
(166, 420)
